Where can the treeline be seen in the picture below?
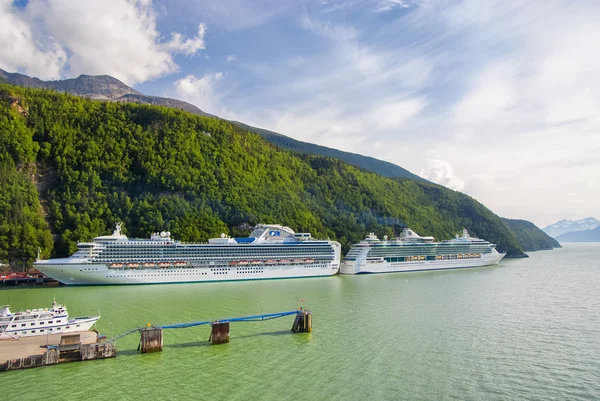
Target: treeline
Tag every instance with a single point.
(530, 236)
(73, 167)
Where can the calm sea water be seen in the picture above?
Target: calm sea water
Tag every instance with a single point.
(527, 329)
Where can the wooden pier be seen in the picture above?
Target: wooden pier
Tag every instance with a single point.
(29, 352)
(151, 337)
(36, 351)
(28, 281)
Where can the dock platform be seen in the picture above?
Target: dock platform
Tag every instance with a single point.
(28, 352)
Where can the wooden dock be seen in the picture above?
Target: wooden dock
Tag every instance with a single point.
(28, 281)
(51, 349)
(35, 351)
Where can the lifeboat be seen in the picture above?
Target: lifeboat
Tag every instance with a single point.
(284, 261)
(133, 264)
(309, 260)
(113, 265)
(148, 264)
(459, 256)
(164, 264)
(243, 262)
(270, 261)
(414, 258)
(256, 262)
(180, 263)
(297, 260)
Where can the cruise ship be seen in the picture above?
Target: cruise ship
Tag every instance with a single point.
(411, 252)
(40, 322)
(270, 252)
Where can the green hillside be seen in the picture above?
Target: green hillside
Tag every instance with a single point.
(530, 236)
(72, 167)
(367, 163)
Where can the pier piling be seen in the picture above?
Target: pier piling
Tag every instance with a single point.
(303, 322)
(151, 340)
(220, 333)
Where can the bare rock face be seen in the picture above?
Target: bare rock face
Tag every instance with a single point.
(95, 87)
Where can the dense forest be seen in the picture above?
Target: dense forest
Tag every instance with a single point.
(530, 236)
(72, 167)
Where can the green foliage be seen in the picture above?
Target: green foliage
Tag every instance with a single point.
(366, 163)
(156, 168)
(529, 236)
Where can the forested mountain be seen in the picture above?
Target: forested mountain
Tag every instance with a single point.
(72, 167)
(367, 163)
(109, 88)
(530, 236)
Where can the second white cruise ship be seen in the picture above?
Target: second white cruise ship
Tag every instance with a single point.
(270, 252)
(411, 252)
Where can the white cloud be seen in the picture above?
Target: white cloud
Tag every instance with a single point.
(441, 172)
(229, 58)
(383, 6)
(396, 114)
(187, 46)
(71, 37)
(20, 50)
(202, 92)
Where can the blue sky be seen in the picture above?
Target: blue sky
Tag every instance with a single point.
(498, 99)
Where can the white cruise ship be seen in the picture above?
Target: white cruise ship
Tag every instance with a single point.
(40, 322)
(411, 252)
(270, 252)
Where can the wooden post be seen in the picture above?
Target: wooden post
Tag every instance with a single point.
(303, 322)
(151, 340)
(220, 333)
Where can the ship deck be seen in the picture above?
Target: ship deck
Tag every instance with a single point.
(27, 346)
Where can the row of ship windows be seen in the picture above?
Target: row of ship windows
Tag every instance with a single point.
(221, 254)
(155, 275)
(42, 330)
(223, 247)
(392, 254)
(187, 268)
(33, 324)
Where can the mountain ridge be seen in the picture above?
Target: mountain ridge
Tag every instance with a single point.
(564, 226)
(530, 236)
(580, 236)
(111, 89)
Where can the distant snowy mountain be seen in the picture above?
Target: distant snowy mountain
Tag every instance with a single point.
(581, 236)
(565, 226)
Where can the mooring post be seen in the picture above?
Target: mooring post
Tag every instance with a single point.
(219, 333)
(303, 322)
(151, 340)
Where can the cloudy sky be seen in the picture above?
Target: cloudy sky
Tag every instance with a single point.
(498, 99)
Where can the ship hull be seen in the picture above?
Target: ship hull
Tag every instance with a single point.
(365, 267)
(101, 274)
(71, 326)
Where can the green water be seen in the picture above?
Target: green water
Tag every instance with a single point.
(527, 329)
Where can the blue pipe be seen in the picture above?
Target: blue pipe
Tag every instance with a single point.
(267, 316)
